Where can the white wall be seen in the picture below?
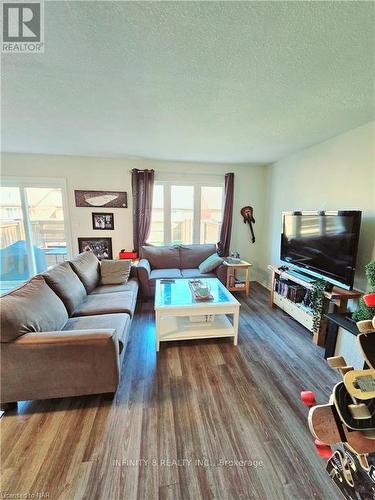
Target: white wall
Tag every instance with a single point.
(336, 174)
(114, 174)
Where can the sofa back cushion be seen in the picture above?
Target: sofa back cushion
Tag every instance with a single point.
(193, 255)
(34, 307)
(167, 257)
(66, 284)
(87, 267)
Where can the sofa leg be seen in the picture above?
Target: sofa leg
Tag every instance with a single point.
(8, 406)
(108, 396)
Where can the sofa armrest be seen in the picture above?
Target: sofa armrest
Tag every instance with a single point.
(221, 273)
(66, 337)
(133, 273)
(144, 266)
(144, 273)
(57, 364)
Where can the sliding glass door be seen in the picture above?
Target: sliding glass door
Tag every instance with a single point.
(33, 230)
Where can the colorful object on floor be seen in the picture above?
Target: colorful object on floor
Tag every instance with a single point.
(356, 416)
(348, 420)
(323, 449)
(367, 345)
(354, 478)
(360, 383)
(365, 326)
(308, 398)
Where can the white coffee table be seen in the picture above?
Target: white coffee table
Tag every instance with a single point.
(174, 304)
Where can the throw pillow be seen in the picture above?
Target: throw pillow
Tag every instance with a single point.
(211, 263)
(115, 272)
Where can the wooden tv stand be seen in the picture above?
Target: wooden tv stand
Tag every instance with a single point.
(338, 296)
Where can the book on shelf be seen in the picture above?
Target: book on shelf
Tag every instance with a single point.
(239, 284)
(290, 290)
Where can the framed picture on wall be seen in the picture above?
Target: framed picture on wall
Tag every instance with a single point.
(103, 221)
(102, 247)
(102, 199)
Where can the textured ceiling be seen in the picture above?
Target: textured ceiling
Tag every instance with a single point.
(199, 81)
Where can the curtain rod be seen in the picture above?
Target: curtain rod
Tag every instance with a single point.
(182, 173)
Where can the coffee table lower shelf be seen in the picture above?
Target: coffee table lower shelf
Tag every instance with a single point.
(181, 328)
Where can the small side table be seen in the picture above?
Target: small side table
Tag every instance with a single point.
(234, 283)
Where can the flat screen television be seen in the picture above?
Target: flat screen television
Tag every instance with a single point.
(322, 244)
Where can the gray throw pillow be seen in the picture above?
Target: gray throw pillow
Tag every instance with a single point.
(211, 263)
(115, 272)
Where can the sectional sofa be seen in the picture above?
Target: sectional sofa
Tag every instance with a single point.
(63, 333)
(177, 261)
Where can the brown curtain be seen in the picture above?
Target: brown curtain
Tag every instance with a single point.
(142, 187)
(226, 227)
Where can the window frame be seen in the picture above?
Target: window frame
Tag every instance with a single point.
(22, 183)
(167, 181)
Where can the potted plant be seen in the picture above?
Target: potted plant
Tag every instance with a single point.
(364, 313)
(316, 296)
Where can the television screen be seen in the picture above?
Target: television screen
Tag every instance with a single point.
(322, 243)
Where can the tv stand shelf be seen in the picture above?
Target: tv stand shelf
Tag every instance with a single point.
(303, 315)
(299, 313)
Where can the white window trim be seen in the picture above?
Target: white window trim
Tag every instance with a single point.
(168, 180)
(43, 182)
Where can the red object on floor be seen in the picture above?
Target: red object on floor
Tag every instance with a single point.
(128, 255)
(324, 450)
(308, 398)
(369, 299)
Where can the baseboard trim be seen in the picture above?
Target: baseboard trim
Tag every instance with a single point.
(266, 284)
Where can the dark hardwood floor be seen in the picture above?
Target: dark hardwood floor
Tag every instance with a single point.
(182, 421)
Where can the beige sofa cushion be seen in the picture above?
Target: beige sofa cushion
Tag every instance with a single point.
(119, 322)
(159, 274)
(130, 286)
(162, 257)
(195, 273)
(87, 267)
(66, 284)
(115, 272)
(107, 303)
(192, 255)
(34, 307)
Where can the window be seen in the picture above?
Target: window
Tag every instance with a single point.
(185, 212)
(157, 219)
(211, 213)
(182, 213)
(33, 230)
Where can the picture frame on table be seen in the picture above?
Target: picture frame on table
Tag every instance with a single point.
(101, 247)
(103, 221)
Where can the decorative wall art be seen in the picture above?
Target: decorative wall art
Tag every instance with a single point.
(102, 247)
(103, 221)
(105, 199)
